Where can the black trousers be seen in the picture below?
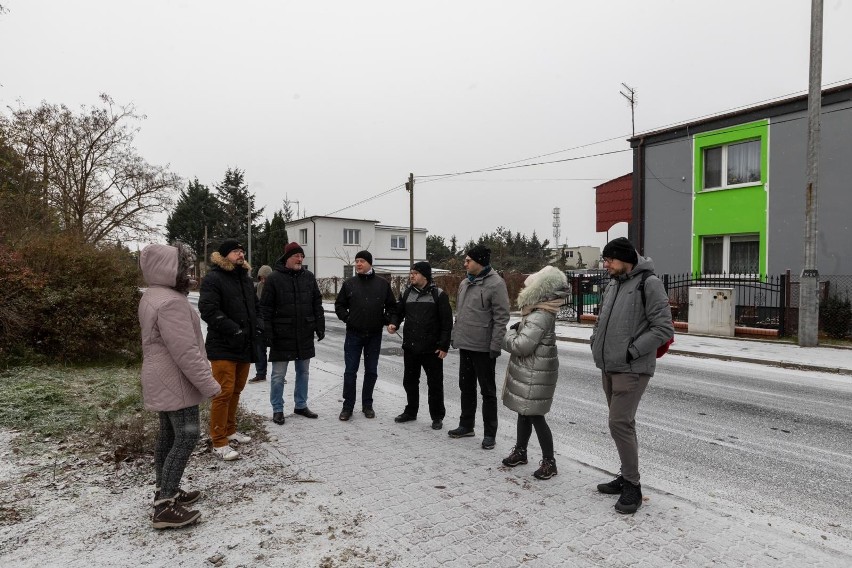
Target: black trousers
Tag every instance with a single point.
(434, 367)
(478, 367)
(542, 430)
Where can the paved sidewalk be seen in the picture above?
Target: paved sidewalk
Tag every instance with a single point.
(776, 353)
(429, 500)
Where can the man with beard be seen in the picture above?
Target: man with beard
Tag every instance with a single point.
(291, 305)
(633, 321)
(229, 306)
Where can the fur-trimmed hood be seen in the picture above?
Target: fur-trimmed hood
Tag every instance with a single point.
(225, 264)
(548, 283)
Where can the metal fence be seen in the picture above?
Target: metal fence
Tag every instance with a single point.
(763, 302)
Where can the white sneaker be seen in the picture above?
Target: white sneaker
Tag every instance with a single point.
(239, 437)
(226, 453)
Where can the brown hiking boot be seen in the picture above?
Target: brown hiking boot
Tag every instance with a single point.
(170, 515)
(546, 470)
(183, 497)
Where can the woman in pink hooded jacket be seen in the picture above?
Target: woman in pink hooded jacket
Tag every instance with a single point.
(176, 375)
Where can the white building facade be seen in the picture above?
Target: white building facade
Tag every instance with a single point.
(331, 243)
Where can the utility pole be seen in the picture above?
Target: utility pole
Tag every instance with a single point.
(248, 217)
(630, 95)
(409, 187)
(809, 281)
(204, 256)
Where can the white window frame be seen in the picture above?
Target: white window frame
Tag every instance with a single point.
(395, 242)
(726, 253)
(303, 236)
(724, 172)
(352, 237)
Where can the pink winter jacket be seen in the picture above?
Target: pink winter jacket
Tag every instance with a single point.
(175, 370)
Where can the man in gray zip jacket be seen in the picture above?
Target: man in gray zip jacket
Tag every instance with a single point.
(482, 312)
(631, 325)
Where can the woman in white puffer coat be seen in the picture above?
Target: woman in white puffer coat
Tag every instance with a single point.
(534, 365)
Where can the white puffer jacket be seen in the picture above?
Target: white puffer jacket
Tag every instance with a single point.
(534, 363)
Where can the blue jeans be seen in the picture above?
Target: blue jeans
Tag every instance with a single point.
(260, 366)
(356, 343)
(276, 388)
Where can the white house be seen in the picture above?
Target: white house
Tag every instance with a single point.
(330, 245)
(588, 255)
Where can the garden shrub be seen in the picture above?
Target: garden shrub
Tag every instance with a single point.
(21, 291)
(835, 316)
(87, 308)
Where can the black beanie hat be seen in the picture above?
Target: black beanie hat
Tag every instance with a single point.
(291, 249)
(365, 254)
(228, 245)
(480, 254)
(423, 268)
(621, 249)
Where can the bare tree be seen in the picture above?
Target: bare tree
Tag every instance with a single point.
(99, 187)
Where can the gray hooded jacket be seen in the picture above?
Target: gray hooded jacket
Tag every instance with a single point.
(627, 334)
(482, 312)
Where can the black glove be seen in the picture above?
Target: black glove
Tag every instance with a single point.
(629, 356)
(515, 325)
(494, 354)
(320, 335)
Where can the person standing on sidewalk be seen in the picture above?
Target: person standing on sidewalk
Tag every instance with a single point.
(482, 312)
(229, 306)
(428, 317)
(632, 323)
(262, 349)
(534, 365)
(292, 313)
(175, 376)
(364, 304)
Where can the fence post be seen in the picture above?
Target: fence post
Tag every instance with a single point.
(784, 293)
(577, 286)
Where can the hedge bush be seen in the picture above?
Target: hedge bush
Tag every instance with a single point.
(81, 303)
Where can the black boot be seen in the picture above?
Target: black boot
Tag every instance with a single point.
(631, 498)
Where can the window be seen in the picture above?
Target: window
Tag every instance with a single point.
(303, 236)
(740, 163)
(731, 254)
(398, 242)
(351, 236)
(570, 254)
(347, 271)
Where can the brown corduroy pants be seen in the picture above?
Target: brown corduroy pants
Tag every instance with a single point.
(231, 376)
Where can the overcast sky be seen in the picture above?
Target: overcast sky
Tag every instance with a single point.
(334, 102)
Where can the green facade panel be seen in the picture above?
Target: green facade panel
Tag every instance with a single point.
(730, 211)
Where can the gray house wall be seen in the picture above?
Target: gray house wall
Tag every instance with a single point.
(668, 205)
(668, 200)
(787, 179)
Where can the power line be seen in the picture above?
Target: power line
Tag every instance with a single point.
(511, 165)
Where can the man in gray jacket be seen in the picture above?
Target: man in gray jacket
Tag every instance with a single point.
(482, 312)
(634, 320)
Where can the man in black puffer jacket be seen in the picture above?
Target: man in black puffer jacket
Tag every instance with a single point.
(291, 305)
(426, 340)
(229, 306)
(364, 303)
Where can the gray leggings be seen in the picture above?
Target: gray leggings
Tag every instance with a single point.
(179, 432)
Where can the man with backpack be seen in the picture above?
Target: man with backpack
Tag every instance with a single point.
(426, 340)
(634, 320)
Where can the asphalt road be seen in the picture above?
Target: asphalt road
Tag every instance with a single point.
(763, 442)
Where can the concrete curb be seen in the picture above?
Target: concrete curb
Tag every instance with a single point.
(737, 359)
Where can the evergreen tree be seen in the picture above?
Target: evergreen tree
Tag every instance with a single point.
(234, 201)
(196, 209)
